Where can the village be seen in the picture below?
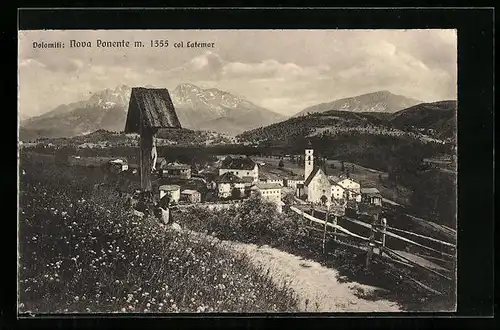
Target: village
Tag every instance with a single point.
(234, 178)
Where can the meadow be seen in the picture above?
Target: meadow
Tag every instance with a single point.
(258, 222)
(80, 251)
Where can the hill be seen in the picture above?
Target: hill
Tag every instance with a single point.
(382, 101)
(197, 108)
(426, 122)
(164, 137)
(437, 116)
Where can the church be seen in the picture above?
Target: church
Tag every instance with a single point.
(319, 187)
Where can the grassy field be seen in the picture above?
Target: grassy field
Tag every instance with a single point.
(80, 251)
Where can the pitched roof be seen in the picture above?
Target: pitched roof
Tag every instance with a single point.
(265, 185)
(247, 179)
(155, 106)
(312, 175)
(176, 166)
(229, 177)
(342, 179)
(169, 187)
(189, 192)
(371, 192)
(239, 163)
(334, 179)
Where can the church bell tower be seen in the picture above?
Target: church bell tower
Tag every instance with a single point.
(309, 161)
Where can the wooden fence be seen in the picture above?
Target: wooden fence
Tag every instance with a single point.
(425, 261)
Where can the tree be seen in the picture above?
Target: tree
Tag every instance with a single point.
(332, 166)
(342, 166)
(323, 199)
(235, 193)
(281, 164)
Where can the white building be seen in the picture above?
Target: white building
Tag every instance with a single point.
(119, 164)
(228, 184)
(270, 192)
(173, 191)
(345, 188)
(293, 183)
(274, 181)
(241, 167)
(337, 190)
(371, 196)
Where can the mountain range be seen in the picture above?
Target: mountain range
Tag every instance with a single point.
(197, 108)
(222, 112)
(381, 101)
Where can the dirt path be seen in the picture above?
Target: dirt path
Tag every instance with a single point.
(312, 282)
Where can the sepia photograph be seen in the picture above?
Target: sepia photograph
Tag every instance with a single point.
(237, 171)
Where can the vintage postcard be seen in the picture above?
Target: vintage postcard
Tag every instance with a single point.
(252, 171)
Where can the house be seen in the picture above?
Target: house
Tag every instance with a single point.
(248, 181)
(191, 196)
(270, 192)
(345, 188)
(117, 165)
(352, 188)
(173, 191)
(230, 185)
(240, 166)
(177, 170)
(371, 196)
(292, 183)
(337, 191)
(275, 181)
(161, 162)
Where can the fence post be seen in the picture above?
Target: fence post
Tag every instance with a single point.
(335, 228)
(324, 235)
(384, 228)
(371, 244)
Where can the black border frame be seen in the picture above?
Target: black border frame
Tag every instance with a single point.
(476, 142)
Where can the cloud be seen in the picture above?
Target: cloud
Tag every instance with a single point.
(281, 70)
(271, 69)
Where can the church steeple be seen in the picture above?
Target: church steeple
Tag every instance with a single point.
(309, 160)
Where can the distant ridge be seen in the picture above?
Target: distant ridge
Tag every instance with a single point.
(381, 101)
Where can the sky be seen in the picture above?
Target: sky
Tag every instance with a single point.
(282, 70)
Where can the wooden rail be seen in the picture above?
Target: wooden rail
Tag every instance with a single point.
(322, 222)
(422, 236)
(388, 233)
(391, 254)
(398, 255)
